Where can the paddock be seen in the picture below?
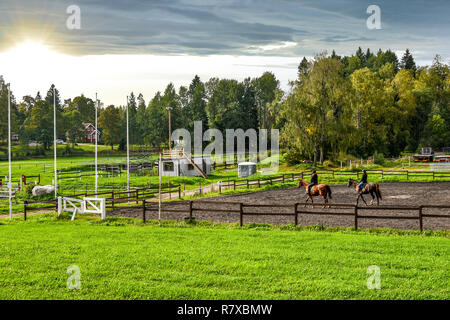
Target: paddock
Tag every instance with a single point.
(400, 200)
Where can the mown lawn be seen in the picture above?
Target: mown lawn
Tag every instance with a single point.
(123, 259)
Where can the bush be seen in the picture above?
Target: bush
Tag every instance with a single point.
(292, 156)
(378, 158)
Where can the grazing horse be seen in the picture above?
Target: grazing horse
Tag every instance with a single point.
(322, 189)
(372, 188)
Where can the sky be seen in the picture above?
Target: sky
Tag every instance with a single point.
(142, 45)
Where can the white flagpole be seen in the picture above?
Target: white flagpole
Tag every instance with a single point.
(96, 138)
(159, 189)
(9, 151)
(54, 142)
(128, 153)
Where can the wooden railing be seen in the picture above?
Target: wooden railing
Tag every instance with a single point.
(298, 209)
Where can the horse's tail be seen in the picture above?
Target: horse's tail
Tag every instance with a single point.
(329, 191)
(377, 189)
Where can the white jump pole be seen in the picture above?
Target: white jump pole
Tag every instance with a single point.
(96, 138)
(9, 151)
(54, 143)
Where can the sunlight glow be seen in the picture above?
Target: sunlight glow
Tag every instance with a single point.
(33, 66)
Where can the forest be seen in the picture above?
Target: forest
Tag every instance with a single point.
(361, 105)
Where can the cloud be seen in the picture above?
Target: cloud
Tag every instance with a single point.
(234, 27)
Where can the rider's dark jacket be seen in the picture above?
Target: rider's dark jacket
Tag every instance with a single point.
(364, 178)
(314, 179)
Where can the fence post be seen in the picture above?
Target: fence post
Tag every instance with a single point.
(247, 184)
(143, 211)
(234, 184)
(137, 196)
(25, 210)
(190, 209)
(420, 219)
(356, 218)
(179, 191)
(283, 178)
(292, 177)
(296, 215)
(241, 214)
(220, 188)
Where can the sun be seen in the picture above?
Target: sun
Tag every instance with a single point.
(35, 51)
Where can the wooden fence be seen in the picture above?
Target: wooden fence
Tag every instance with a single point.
(334, 173)
(29, 205)
(25, 178)
(298, 209)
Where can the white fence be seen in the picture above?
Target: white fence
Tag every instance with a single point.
(86, 205)
(444, 166)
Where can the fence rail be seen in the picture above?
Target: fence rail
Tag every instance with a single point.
(298, 209)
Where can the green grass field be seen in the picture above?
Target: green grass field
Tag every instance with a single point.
(123, 259)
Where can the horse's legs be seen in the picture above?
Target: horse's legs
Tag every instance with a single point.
(373, 197)
(363, 199)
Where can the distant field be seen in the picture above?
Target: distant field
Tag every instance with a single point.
(122, 259)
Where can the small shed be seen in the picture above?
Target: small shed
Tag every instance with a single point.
(183, 167)
(246, 169)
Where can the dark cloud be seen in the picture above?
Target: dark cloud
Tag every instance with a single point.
(228, 26)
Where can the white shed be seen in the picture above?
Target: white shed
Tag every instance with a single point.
(183, 167)
(246, 169)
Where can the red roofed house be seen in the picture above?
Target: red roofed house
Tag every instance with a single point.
(89, 129)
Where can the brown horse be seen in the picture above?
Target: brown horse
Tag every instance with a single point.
(322, 189)
(372, 188)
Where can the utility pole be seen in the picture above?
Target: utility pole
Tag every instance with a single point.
(170, 130)
(170, 141)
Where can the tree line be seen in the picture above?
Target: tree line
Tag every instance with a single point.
(361, 104)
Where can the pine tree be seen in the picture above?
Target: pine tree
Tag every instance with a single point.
(303, 67)
(407, 61)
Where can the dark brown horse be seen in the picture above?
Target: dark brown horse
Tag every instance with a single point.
(372, 188)
(321, 189)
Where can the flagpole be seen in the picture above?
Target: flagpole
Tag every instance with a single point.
(54, 142)
(128, 152)
(159, 188)
(9, 151)
(96, 138)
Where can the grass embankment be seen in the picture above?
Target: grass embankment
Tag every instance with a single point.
(123, 259)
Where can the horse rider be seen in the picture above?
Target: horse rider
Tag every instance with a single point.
(314, 181)
(363, 181)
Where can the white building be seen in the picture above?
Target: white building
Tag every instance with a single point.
(183, 167)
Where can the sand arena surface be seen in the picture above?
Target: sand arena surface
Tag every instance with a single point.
(394, 194)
